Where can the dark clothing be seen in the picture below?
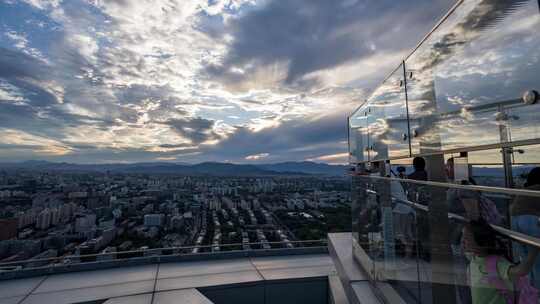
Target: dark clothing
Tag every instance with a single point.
(411, 188)
(420, 175)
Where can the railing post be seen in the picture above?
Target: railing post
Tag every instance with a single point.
(388, 234)
(442, 262)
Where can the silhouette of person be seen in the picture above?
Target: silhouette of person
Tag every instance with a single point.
(419, 165)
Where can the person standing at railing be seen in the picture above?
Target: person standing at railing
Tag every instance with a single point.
(419, 173)
(414, 192)
(404, 215)
(525, 214)
(468, 203)
(493, 278)
(456, 204)
(473, 206)
(418, 194)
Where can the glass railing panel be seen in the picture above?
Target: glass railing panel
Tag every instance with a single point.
(524, 159)
(486, 167)
(358, 136)
(366, 221)
(388, 129)
(423, 106)
(453, 232)
(405, 243)
(468, 78)
(357, 201)
(522, 120)
(384, 251)
(386, 233)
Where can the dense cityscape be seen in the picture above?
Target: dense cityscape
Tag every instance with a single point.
(46, 214)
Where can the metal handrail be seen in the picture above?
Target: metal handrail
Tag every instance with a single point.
(511, 191)
(147, 251)
(506, 144)
(511, 234)
(412, 204)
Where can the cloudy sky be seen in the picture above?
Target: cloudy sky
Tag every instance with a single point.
(247, 81)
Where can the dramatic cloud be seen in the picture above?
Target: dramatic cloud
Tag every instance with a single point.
(291, 140)
(198, 130)
(293, 40)
(177, 80)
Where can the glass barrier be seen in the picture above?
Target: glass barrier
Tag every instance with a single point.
(387, 117)
(358, 135)
(433, 241)
(466, 81)
(524, 159)
(472, 82)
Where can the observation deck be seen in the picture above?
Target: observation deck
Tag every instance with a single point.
(449, 140)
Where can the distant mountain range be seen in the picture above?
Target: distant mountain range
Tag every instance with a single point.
(207, 168)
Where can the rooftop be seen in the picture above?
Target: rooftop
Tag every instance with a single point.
(263, 279)
(316, 275)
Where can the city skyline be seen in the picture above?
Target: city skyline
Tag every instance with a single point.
(193, 81)
(46, 214)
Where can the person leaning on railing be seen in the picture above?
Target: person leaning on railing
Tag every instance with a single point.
(493, 277)
(462, 203)
(525, 213)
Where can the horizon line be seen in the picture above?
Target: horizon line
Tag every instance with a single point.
(169, 162)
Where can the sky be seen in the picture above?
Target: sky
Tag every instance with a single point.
(243, 81)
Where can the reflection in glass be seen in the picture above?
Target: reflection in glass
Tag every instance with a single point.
(388, 129)
(487, 168)
(358, 136)
(448, 262)
(469, 75)
(464, 86)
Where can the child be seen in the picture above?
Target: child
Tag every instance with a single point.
(492, 275)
